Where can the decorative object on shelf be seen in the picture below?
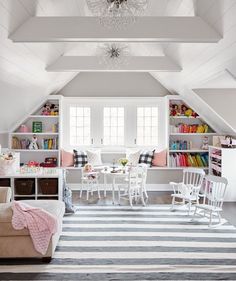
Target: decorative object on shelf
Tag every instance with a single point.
(23, 129)
(15, 143)
(7, 161)
(205, 143)
(123, 162)
(37, 127)
(117, 13)
(34, 143)
(113, 55)
(228, 142)
(49, 162)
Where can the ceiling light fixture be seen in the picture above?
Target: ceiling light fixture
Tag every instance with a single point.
(117, 13)
(114, 55)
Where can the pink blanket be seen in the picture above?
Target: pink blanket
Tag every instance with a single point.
(41, 224)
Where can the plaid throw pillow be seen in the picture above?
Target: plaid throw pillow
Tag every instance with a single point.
(80, 158)
(146, 157)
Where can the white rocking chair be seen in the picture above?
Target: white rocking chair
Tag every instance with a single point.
(188, 189)
(134, 190)
(213, 199)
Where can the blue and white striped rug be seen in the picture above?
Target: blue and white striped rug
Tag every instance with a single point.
(120, 243)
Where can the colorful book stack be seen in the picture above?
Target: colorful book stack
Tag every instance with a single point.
(50, 143)
(189, 160)
(191, 129)
(180, 145)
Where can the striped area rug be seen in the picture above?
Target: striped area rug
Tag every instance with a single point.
(119, 243)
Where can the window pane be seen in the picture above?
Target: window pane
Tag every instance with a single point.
(80, 125)
(113, 122)
(147, 125)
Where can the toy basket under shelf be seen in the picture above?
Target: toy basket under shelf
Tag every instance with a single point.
(48, 186)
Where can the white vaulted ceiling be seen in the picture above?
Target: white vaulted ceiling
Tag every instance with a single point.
(24, 80)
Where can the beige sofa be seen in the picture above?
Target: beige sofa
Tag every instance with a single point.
(18, 243)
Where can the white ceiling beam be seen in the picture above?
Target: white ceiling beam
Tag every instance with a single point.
(88, 29)
(94, 63)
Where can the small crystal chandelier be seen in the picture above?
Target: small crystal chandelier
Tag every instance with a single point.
(114, 55)
(117, 13)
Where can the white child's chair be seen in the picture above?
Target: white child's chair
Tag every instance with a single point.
(213, 198)
(89, 182)
(134, 190)
(188, 189)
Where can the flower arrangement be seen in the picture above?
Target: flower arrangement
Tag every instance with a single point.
(6, 162)
(123, 161)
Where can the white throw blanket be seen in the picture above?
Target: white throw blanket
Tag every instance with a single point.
(41, 224)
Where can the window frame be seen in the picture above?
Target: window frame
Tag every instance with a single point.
(130, 124)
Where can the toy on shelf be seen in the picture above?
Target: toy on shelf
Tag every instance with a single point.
(49, 162)
(174, 109)
(205, 143)
(23, 129)
(182, 110)
(50, 109)
(34, 143)
(46, 109)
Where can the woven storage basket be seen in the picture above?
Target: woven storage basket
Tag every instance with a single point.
(48, 186)
(24, 186)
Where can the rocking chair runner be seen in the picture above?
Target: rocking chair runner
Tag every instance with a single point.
(213, 198)
(188, 189)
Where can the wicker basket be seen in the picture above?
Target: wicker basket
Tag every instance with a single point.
(48, 186)
(24, 186)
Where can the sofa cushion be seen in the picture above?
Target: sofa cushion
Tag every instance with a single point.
(56, 208)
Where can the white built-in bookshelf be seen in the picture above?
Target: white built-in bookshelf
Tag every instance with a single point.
(187, 132)
(48, 139)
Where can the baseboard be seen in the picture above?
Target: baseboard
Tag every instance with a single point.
(150, 187)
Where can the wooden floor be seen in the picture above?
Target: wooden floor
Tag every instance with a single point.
(160, 197)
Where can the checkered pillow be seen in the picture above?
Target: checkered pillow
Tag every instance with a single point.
(146, 157)
(80, 158)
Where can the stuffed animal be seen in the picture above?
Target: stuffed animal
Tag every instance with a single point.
(88, 168)
(174, 109)
(188, 112)
(183, 109)
(194, 114)
(54, 109)
(205, 143)
(46, 109)
(34, 144)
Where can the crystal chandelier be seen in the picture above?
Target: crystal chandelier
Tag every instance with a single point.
(117, 13)
(114, 55)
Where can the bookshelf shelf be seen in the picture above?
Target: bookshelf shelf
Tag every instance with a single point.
(189, 151)
(44, 116)
(36, 150)
(38, 134)
(193, 134)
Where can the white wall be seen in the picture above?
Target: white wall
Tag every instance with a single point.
(222, 101)
(117, 84)
(4, 140)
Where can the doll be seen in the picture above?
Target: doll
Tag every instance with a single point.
(34, 144)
